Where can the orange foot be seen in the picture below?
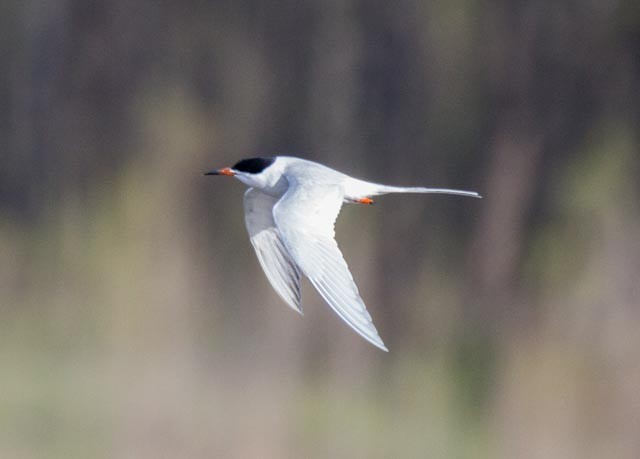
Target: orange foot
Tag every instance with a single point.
(365, 201)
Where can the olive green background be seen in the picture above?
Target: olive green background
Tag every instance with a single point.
(135, 321)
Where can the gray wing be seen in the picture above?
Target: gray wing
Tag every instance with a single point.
(305, 217)
(280, 269)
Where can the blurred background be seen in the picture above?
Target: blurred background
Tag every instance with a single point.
(135, 320)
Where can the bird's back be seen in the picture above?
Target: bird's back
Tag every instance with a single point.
(309, 172)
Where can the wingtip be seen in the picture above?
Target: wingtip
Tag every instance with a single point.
(377, 343)
(296, 307)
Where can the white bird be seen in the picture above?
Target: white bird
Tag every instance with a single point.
(290, 211)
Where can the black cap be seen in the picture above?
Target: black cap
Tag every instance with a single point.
(253, 165)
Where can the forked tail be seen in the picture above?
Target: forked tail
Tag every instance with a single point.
(383, 189)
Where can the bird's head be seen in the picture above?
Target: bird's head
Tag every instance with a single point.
(254, 172)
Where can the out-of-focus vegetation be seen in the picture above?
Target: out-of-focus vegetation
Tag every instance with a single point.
(135, 320)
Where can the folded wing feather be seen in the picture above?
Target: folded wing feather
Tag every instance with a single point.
(280, 269)
(305, 218)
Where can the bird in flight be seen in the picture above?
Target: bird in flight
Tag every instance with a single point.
(290, 210)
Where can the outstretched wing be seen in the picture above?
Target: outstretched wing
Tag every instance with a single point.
(305, 217)
(276, 262)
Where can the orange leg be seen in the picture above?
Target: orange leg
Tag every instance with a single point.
(365, 201)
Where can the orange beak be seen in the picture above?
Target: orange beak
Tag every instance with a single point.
(225, 171)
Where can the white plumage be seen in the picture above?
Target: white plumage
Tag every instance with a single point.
(290, 212)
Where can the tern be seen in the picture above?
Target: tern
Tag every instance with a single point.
(290, 210)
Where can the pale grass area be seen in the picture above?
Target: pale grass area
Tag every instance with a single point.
(136, 323)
